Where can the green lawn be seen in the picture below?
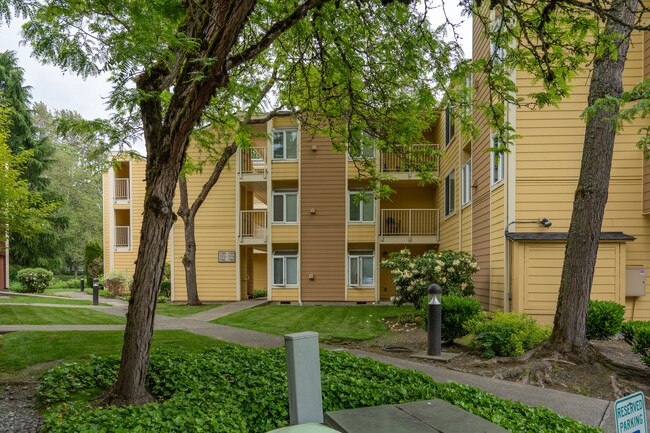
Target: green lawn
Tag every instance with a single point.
(22, 349)
(353, 323)
(45, 300)
(29, 315)
(178, 310)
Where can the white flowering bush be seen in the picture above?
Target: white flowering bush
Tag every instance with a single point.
(452, 270)
(34, 280)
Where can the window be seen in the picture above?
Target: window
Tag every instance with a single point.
(496, 45)
(285, 206)
(285, 143)
(466, 179)
(450, 128)
(285, 268)
(450, 193)
(361, 268)
(364, 149)
(361, 210)
(497, 163)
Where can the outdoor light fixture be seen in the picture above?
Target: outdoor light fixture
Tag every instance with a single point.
(544, 221)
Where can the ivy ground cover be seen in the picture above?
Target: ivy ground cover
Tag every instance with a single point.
(235, 389)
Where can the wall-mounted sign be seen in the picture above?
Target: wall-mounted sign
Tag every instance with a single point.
(226, 257)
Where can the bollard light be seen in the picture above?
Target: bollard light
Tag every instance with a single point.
(434, 322)
(82, 284)
(95, 291)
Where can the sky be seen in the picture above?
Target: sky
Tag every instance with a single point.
(88, 97)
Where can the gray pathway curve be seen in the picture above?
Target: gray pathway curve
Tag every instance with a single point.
(588, 410)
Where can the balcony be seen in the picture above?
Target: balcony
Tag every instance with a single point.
(122, 238)
(403, 162)
(252, 164)
(417, 226)
(252, 227)
(121, 191)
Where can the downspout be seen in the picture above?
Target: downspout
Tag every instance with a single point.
(460, 190)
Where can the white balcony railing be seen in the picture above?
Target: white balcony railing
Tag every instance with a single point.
(122, 236)
(252, 223)
(408, 159)
(121, 191)
(410, 222)
(252, 161)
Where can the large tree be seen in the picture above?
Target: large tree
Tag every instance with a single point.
(183, 56)
(21, 210)
(42, 249)
(555, 40)
(76, 172)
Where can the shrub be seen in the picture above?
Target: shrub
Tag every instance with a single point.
(456, 312)
(507, 334)
(259, 293)
(637, 334)
(13, 272)
(604, 319)
(75, 284)
(115, 283)
(93, 260)
(452, 270)
(165, 288)
(35, 280)
(237, 389)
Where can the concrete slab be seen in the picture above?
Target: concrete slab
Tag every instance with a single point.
(305, 428)
(430, 416)
(448, 418)
(443, 357)
(377, 419)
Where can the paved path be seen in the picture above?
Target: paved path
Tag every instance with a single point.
(588, 410)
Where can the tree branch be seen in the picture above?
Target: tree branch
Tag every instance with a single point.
(272, 34)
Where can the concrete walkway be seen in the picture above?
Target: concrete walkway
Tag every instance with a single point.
(587, 410)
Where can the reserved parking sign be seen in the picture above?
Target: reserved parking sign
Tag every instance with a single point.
(630, 414)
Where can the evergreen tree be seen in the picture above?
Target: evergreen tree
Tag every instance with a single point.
(43, 249)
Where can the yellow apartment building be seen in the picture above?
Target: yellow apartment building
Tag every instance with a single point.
(282, 218)
(503, 200)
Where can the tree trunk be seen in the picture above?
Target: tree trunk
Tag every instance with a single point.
(166, 138)
(569, 327)
(189, 258)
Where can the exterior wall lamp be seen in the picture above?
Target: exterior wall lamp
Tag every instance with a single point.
(543, 221)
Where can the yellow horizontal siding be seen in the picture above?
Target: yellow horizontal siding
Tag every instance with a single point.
(284, 295)
(360, 295)
(214, 232)
(285, 233)
(361, 232)
(284, 170)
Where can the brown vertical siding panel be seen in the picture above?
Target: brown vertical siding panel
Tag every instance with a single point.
(481, 175)
(322, 245)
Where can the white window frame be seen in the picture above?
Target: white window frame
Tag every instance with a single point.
(497, 168)
(450, 205)
(367, 148)
(450, 126)
(284, 193)
(284, 143)
(283, 255)
(466, 182)
(358, 256)
(361, 207)
(497, 52)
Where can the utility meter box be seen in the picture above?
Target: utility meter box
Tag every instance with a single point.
(635, 282)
